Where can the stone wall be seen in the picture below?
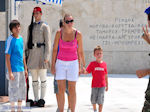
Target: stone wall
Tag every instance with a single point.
(116, 25)
(3, 26)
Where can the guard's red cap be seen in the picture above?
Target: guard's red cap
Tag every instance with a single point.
(36, 9)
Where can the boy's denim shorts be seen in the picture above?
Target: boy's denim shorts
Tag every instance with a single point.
(56, 87)
(97, 96)
(17, 87)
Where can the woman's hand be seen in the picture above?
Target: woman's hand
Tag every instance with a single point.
(53, 71)
(80, 70)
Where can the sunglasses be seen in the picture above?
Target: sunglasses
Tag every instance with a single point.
(67, 21)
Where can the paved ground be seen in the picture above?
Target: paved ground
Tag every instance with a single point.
(126, 94)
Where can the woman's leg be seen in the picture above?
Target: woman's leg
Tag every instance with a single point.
(57, 98)
(72, 94)
(69, 105)
(67, 92)
(61, 94)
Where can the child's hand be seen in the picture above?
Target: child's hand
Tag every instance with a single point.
(84, 70)
(11, 76)
(26, 74)
(106, 89)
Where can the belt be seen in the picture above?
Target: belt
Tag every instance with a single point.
(38, 45)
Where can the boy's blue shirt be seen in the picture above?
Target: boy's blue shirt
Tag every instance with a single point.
(14, 47)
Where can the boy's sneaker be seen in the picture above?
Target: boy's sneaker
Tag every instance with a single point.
(68, 110)
(95, 110)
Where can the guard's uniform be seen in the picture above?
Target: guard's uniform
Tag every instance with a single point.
(41, 51)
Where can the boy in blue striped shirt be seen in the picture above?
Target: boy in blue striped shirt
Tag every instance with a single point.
(16, 65)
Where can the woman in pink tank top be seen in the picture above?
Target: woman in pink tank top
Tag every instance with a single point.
(67, 57)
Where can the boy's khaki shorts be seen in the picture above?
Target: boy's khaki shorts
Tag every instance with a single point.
(17, 87)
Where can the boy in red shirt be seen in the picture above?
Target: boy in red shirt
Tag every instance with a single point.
(98, 69)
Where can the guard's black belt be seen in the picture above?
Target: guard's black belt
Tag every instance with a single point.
(38, 45)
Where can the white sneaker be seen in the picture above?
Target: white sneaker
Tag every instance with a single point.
(68, 110)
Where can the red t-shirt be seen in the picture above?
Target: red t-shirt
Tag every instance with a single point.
(98, 70)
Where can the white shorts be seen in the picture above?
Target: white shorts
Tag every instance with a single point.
(67, 70)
